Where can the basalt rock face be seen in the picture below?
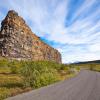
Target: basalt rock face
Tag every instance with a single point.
(17, 41)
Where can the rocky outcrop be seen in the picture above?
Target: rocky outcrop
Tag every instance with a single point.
(17, 41)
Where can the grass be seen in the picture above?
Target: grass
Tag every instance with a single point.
(4, 70)
(10, 85)
(18, 77)
(89, 66)
(7, 79)
(95, 67)
(21, 76)
(7, 92)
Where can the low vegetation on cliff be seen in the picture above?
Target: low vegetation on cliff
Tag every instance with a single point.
(21, 76)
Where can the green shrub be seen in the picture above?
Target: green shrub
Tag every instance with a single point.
(91, 66)
(14, 66)
(64, 67)
(4, 62)
(38, 74)
(4, 93)
(77, 68)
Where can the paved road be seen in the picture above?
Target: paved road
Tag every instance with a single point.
(85, 86)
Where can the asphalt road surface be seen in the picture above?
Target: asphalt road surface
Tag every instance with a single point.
(85, 86)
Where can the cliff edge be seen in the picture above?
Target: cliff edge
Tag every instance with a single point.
(17, 41)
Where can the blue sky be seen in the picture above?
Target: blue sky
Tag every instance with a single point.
(71, 26)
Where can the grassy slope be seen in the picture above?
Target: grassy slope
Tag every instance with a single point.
(10, 84)
(11, 81)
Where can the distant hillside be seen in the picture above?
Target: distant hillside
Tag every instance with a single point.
(86, 62)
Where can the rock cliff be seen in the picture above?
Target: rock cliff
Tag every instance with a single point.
(17, 41)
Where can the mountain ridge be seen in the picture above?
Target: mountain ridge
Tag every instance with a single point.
(86, 62)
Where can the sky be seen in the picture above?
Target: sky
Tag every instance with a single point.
(71, 26)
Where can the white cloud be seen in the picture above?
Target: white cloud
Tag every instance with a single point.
(77, 53)
(94, 47)
(47, 19)
(85, 6)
